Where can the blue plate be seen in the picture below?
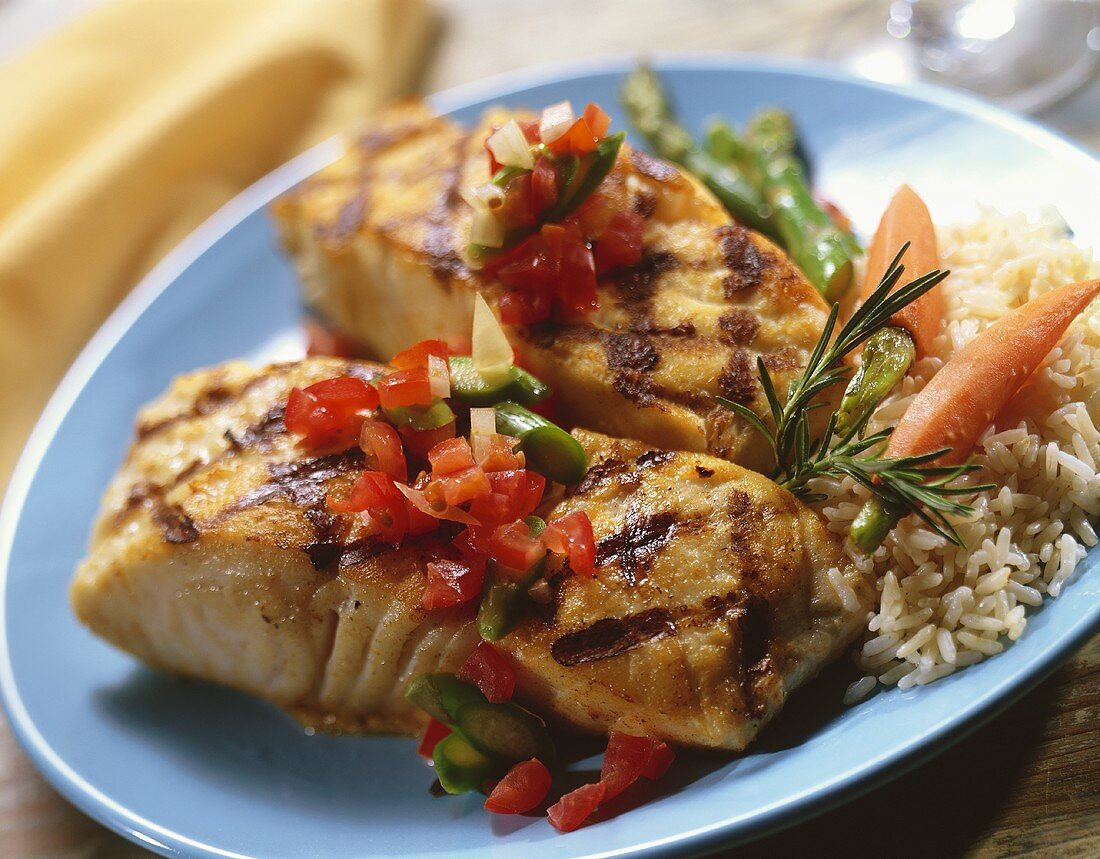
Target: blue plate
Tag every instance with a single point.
(187, 768)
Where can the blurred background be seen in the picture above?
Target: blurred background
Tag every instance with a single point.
(128, 122)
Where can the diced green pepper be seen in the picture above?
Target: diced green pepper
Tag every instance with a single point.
(421, 418)
(441, 696)
(506, 174)
(498, 610)
(460, 767)
(549, 449)
(874, 521)
(592, 171)
(535, 525)
(887, 357)
(505, 731)
(470, 387)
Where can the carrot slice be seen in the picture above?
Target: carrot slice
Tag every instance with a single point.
(906, 219)
(964, 397)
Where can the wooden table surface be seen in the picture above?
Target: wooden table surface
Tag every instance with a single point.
(1037, 763)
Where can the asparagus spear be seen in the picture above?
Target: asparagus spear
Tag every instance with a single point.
(647, 104)
(821, 249)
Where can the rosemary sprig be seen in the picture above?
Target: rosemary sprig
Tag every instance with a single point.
(909, 484)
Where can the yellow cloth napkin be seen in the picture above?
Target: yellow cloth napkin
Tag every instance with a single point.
(124, 130)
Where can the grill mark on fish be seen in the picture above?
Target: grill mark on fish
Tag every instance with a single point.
(599, 475)
(647, 165)
(208, 400)
(654, 458)
(630, 352)
(638, 283)
(602, 473)
(337, 234)
(737, 381)
(680, 329)
(782, 360)
(635, 546)
(302, 482)
(645, 204)
(739, 327)
(635, 387)
(261, 433)
(741, 257)
(612, 636)
(175, 525)
(631, 356)
(755, 627)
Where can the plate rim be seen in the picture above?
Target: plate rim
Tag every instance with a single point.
(843, 787)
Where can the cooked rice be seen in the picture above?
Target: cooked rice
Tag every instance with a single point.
(942, 607)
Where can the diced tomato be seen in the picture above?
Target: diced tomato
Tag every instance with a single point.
(420, 523)
(451, 456)
(577, 140)
(375, 494)
(530, 129)
(577, 290)
(329, 413)
(514, 494)
(539, 267)
(494, 165)
(659, 761)
(498, 456)
(625, 761)
(598, 120)
(523, 788)
(473, 543)
(593, 216)
(491, 672)
(524, 308)
(324, 341)
(544, 185)
(460, 487)
(435, 732)
(517, 211)
(419, 442)
(569, 812)
(382, 444)
(451, 583)
(512, 546)
(572, 535)
(555, 261)
(405, 388)
(620, 244)
(417, 354)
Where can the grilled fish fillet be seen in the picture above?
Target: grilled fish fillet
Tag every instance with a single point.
(215, 557)
(378, 239)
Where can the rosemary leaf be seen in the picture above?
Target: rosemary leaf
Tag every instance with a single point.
(912, 484)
